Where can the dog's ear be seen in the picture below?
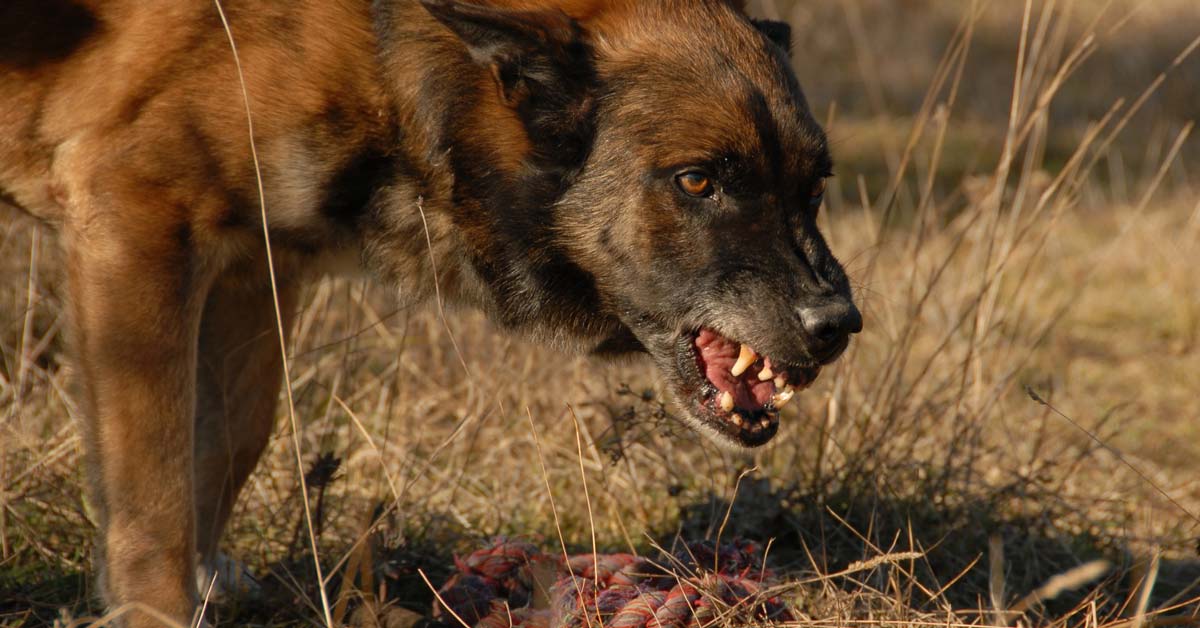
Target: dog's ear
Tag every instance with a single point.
(778, 32)
(525, 50)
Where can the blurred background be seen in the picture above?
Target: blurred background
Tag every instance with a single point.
(871, 63)
(1017, 200)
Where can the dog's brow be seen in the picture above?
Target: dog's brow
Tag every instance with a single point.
(767, 132)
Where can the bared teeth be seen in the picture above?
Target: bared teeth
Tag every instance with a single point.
(765, 423)
(780, 382)
(727, 401)
(745, 359)
(737, 420)
(765, 374)
(781, 398)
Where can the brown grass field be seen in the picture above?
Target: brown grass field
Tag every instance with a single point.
(1018, 202)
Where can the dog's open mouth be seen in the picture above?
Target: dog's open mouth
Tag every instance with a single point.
(732, 390)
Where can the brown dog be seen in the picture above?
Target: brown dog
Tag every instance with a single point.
(612, 176)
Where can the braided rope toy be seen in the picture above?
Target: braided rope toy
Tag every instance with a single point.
(701, 584)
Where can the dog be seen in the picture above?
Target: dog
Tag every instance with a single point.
(612, 177)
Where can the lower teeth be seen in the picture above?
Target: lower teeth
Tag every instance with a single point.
(781, 398)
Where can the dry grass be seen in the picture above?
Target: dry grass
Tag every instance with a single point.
(996, 247)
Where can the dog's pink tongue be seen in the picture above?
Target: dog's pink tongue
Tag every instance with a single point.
(717, 355)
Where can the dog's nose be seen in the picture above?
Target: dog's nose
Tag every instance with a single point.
(832, 320)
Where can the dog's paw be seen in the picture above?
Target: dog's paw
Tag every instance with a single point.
(224, 577)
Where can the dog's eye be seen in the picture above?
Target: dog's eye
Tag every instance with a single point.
(695, 184)
(817, 195)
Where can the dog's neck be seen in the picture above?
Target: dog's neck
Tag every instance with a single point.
(475, 187)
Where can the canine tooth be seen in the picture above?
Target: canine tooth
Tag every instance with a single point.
(737, 420)
(745, 359)
(727, 401)
(780, 382)
(781, 398)
(765, 374)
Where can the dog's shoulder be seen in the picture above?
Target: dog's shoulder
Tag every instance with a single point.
(153, 91)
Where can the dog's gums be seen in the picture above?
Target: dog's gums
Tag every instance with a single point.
(735, 391)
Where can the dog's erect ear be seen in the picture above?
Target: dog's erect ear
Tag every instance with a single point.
(526, 50)
(778, 32)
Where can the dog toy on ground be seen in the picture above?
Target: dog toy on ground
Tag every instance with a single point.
(512, 584)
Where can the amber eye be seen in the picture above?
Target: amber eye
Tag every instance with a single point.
(695, 184)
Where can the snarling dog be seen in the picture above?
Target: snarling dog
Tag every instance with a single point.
(613, 176)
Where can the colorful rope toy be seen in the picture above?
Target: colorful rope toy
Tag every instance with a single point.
(698, 585)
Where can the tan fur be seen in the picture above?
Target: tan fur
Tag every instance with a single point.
(167, 288)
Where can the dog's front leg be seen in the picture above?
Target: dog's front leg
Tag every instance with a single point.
(137, 291)
(239, 373)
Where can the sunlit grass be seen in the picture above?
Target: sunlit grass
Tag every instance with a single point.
(994, 250)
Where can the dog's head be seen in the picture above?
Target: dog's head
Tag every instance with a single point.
(669, 174)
